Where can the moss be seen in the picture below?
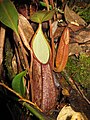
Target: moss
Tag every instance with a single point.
(86, 15)
(8, 60)
(79, 69)
(84, 12)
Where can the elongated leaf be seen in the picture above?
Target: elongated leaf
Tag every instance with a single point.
(9, 15)
(40, 46)
(62, 52)
(42, 16)
(18, 83)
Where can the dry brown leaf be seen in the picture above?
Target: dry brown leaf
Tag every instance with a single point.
(26, 27)
(74, 48)
(82, 36)
(74, 28)
(67, 112)
(72, 17)
(54, 27)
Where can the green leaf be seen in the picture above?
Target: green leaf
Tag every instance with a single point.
(42, 16)
(18, 83)
(43, 4)
(9, 15)
(40, 46)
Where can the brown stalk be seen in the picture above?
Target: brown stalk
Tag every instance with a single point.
(52, 44)
(2, 38)
(19, 41)
(20, 97)
(18, 60)
(51, 36)
(26, 44)
(22, 51)
(23, 38)
(47, 4)
(52, 3)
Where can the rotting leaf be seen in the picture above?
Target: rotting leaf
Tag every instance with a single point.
(9, 15)
(62, 52)
(72, 17)
(42, 16)
(40, 46)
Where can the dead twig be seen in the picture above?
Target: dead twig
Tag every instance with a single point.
(2, 37)
(51, 35)
(19, 96)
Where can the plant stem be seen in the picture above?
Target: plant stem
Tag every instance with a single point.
(34, 111)
(33, 108)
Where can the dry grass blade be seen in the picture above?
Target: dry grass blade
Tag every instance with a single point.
(2, 37)
(23, 38)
